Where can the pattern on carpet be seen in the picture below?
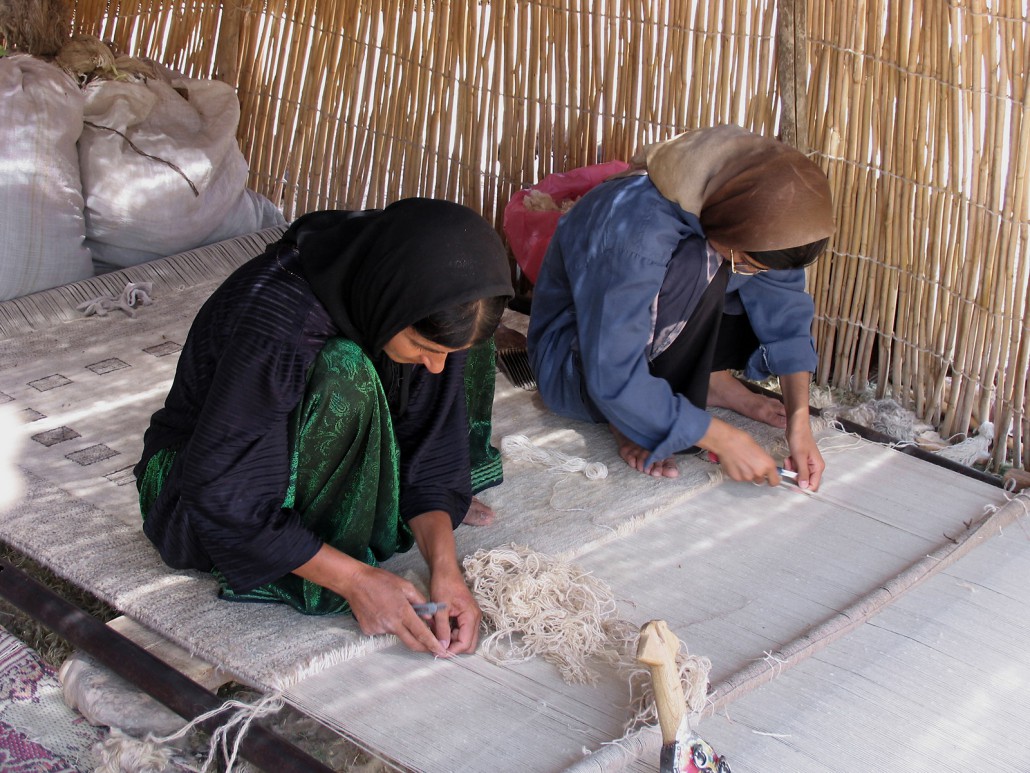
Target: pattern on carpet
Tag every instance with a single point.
(38, 732)
(85, 389)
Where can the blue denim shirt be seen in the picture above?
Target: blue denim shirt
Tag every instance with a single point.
(592, 301)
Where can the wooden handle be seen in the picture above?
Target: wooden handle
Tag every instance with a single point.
(657, 649)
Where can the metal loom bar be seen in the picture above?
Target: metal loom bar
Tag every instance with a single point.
(134, 664)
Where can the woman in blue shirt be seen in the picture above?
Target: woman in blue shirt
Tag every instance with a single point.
(655, 286)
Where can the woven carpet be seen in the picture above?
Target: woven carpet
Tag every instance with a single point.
(85, 388)
(742, 573)
(38, 733)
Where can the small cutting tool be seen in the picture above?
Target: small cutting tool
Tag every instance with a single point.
(429, 609)
(787, 476)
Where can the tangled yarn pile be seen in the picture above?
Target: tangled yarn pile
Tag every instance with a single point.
(534, 604)
(538, 605)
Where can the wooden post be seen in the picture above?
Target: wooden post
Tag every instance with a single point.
(792, 71)
(227, 47)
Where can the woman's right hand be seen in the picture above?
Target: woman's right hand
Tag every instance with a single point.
(380, 600)
(739, 455)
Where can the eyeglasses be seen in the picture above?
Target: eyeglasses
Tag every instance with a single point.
(746, 267)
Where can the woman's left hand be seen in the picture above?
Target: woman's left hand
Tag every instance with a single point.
(457, 626)
(805, 457)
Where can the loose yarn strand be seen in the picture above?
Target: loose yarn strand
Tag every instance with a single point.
(124, 747)
(520, 448)
(135, 294)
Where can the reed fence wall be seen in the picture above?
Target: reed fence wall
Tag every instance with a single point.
(919, 112)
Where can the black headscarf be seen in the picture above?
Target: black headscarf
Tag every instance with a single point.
(380, 270)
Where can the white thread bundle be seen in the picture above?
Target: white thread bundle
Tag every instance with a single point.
(972, 449)
(151, 752)
(693, 673)
(534, 604)
(520, 448)
(134, 294)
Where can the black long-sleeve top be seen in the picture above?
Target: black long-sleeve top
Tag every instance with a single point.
(241, 372)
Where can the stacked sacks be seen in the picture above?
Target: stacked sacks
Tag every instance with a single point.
(41, 205)
(161, 169)
(111, 161)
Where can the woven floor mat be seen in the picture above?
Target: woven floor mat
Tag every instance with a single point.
(38, 732)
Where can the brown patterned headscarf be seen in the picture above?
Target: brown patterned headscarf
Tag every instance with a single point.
(751, 193)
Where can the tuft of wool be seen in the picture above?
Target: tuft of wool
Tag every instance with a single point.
(538, 201)
(538, 605)
(85, 55)
(520, 448)
(131, 67)
(973, 449)
(121, 753)
(38, 27)
(693, 673)
(133, 294)
(886, 416)
(89, 58)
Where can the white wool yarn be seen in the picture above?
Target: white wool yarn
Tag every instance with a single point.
(520, 448)
(134, 294)
(536, 605)
(972, 449)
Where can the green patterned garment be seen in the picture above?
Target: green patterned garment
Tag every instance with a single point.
(344, 467)
(480, 376)
(343, 475)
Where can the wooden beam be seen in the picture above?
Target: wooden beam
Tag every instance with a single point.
(131, 662)
(227, 47)
(792, 71)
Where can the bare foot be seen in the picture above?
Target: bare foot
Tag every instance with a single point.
(635, 456)
(479, 514)
(724, 391)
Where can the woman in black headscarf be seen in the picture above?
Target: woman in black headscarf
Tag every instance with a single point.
(317, 421)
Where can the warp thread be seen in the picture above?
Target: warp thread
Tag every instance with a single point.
(134, 294)
(520, 448)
